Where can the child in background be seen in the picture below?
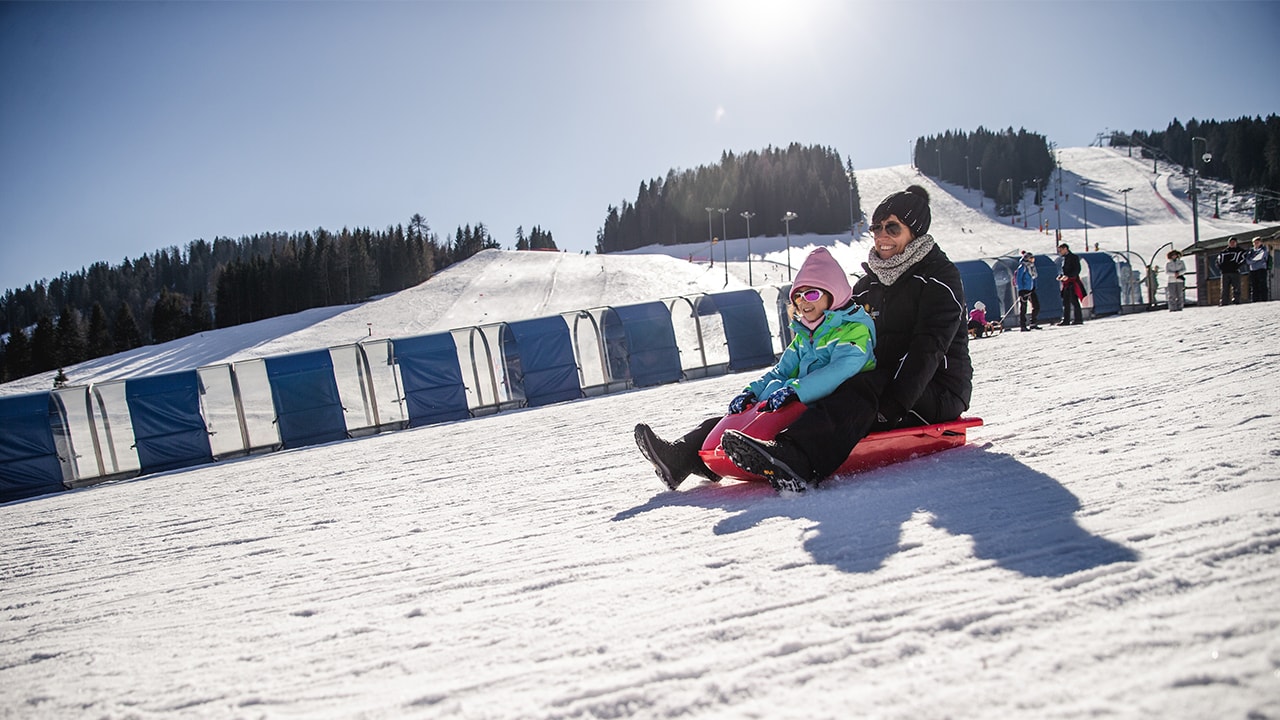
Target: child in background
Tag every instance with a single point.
(978, 320)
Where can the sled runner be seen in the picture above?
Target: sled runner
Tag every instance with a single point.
(875, 450)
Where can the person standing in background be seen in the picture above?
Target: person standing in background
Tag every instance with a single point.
(1231, 261)
(1072, 288)
(1175, 280)
(1258, 261)
(1025, 281)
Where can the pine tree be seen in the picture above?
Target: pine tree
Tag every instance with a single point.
(44, 345)
(71, 339)
(100, 342)
(125, 329)
(169, 318)
(17, 355)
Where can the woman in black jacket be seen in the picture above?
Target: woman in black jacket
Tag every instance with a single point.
(923, 374)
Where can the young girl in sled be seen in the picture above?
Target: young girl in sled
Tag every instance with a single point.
(834, 340)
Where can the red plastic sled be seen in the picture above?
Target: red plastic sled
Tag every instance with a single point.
(876, 450)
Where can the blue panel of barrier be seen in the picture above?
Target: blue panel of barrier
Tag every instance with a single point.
(746, 329)
(652, 353)
(433, 388)
(28, 457)
(306, 400)
(1104, 283)
(168, 430)
(979, 284)
(1048, 289)
(547, 368)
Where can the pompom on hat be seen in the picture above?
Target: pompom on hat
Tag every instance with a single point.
(912, 208)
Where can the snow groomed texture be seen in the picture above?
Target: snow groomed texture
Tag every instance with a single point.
(875, 450)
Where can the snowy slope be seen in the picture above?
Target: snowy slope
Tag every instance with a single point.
(1105, 546)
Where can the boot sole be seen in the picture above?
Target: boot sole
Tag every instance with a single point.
(749, 456)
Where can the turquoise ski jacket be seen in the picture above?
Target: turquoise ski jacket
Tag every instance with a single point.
(818, 361)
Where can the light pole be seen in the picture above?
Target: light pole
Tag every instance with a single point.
(787, 219)
(724, 234)
(1125, 193)
(939, 151)
(966, 172)
(850, 176)
(711, 241)
(1013, 216)
(1085, 184)
(748, 216)
(1195, 185)
(982, 194)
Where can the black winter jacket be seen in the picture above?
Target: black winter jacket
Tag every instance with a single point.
(921, 332)
(1231, 260)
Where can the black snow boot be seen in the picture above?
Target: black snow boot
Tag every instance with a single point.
(671, 461)
(782, 464)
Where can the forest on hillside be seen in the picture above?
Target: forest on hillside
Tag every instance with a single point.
(685, 206)
(1002, 165)
(175, 292)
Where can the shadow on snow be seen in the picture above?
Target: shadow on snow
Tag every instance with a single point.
(1018, 517)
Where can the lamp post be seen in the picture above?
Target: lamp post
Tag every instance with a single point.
(1057, 198)
(1195, 185)
(748, 216)
(787, 220)
(966, 172)
(724, 234)
(711, 241)
(1125, 193)
(1012, 209)
(939, 151)
(982, 194)
(850, 176)
(1085, 184)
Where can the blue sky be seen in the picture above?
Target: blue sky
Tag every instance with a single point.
(127, 127)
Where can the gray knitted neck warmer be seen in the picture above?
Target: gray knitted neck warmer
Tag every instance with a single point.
(890, 270)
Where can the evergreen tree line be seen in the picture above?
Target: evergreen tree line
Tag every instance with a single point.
(1246, 154)
(172, 292)
(537, 239)
(808, 181)
(1011, 162)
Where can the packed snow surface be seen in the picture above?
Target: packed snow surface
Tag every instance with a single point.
(1104, 546)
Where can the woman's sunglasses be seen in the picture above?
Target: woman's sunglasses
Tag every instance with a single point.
(812, 295)
(893, 228)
